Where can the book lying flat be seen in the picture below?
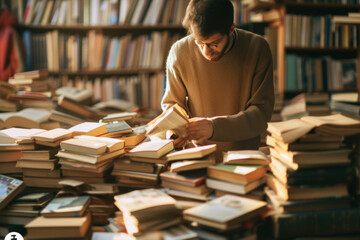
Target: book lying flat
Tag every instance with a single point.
(236, 173)
(119, 116)
(191, 153)
(83, 146)
(19, 135)
(332, 125)
(28, 118)
(62, 227)
(225, 212)
(187, 165)
(152, 149)
(245, 157)
(138, 202)
(66, 207)
(53, 135)
(89, 158)
(89, 128)
(111, 143)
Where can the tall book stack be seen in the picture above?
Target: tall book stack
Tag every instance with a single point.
(88, 158)
(12, 142)
(187, 172)
(40, 166)
(311, 172)
(65, 218)
(242, 173)
(147, 210)
(141, 166)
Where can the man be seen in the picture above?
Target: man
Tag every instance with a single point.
(222, 76)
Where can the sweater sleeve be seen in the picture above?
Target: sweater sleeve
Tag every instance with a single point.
(175, 91)
(253, 120)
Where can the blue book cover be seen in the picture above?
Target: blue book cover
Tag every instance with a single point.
(27, 38)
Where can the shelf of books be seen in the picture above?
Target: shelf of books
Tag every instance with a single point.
(313, 53)
(117, 48)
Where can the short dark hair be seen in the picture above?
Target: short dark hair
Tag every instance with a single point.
(206, 17)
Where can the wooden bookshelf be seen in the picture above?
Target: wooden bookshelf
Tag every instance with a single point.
(338, 50)
(86, 41)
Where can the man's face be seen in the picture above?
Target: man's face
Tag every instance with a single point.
(213, 47)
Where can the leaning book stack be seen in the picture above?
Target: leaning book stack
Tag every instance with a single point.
(310, 170)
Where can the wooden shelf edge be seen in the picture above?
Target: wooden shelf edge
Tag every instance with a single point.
(115, 27)
(108, 72)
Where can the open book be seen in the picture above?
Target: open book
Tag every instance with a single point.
(332, 125)
(26, 118)
(174, 118)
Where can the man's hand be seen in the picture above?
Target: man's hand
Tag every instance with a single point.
(199, 130)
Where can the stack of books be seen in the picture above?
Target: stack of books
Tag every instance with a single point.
(311, 172)
(88, 158)
(48, 141)
(227, 215)
(40, 167)
(25, 208)
(12, 142)
(187, 172)
(241, 173)
(186, 185)
(141, 166)
(34, 81)
(65, 218)
(147, 210)
(306, 104)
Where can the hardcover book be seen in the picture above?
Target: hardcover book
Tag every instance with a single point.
(9, 188)
(152, 149)
(236, 173)
(226, 212)
(62, 227)
(245, 157)
(66, 207)
(191, 153)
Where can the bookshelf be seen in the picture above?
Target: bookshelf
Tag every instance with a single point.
(102, 44)
(312, 53)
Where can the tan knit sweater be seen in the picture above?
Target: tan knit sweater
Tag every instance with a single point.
(236, 91)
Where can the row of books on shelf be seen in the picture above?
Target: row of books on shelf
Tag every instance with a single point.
(320, 73)
(98, 12)
(319, 31)
(56, 51)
